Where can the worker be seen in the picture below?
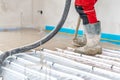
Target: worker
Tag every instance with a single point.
(90, 42)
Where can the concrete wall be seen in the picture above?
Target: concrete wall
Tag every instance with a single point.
(26, 13)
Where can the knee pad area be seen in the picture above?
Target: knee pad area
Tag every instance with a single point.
(82, 14)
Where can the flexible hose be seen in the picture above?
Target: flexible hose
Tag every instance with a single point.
(43, 40)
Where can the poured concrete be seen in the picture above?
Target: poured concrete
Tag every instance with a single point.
(13, 39)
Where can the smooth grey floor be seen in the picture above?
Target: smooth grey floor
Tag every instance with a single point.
(13, 39)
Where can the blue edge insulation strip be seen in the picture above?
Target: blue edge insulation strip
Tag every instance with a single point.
(112, 38)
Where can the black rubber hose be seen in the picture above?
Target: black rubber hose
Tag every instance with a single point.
(43, 40)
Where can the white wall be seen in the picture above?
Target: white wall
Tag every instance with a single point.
(53, 10)
(19, 13)
(11, 12)
(108, 13)
(25, 13)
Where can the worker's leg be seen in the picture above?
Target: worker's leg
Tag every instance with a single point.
(92, 46)
(92, 30)
(87, 13)
(81, 41)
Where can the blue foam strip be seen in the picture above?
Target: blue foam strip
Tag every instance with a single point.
(66, 30)
(112, 38)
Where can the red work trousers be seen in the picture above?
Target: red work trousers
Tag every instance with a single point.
(86, 10)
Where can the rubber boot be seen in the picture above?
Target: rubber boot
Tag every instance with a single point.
(93, 33)
(80, 41)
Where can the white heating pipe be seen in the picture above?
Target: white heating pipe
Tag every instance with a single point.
(69, 70)
(56, 74)
(87, 60)
(43, 76)
(111, 54)
(108, 58)
(114, 66)
(111, 62)
(111, 75)
(106, 52)
(112, 51)
(14, 72)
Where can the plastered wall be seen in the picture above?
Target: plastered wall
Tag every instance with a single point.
(27, 13)
(108, 13)
(19, 13)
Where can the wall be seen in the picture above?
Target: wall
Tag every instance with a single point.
(107, 13)
(19, 13)
(26, 13)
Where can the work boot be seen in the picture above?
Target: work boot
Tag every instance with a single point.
(92, 46)
(80, 41)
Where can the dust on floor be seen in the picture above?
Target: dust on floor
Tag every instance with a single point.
(13, 39)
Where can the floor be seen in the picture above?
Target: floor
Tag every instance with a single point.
(13, 39)
(52, 63)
